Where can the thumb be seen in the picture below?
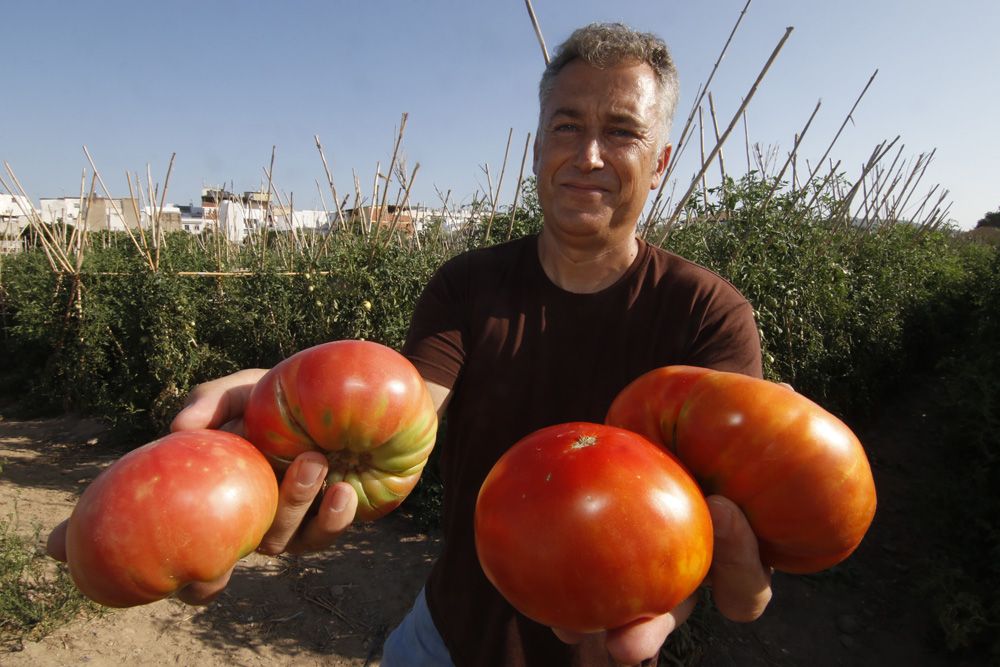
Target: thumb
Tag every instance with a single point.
(55, 545)
(741, 584)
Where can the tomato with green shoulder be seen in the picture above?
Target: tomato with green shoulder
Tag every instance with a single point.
(362, 405)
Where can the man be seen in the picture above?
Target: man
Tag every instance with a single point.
(540, 331)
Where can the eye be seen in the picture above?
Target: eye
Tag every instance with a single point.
(564, 127)
(622, 132)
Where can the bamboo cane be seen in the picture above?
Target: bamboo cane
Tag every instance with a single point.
(690, 119)
(142, 251)
(329, 181)
(725, 135)
(495, 197)
(538, 31)
(517, 189)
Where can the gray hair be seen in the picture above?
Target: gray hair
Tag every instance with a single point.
(604, 45)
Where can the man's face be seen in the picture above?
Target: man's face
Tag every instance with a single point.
(596, 151)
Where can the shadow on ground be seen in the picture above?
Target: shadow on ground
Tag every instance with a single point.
(341, 602)
(62, 454)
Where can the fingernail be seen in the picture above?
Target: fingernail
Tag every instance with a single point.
(309, 473)
(340, 500)
(722, 518)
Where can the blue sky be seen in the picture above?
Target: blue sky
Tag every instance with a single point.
(220, 83)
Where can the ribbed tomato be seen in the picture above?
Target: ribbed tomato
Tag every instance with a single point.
(798, 473)
(587, 527)
(361, 404)
(178, 510)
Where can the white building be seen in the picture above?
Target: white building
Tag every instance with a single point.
(15, 213)
(102, 214)
(15, 206)
(236, 219)
(60, 209)
(284, 220)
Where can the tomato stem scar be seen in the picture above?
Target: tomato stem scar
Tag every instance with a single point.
(584, 441)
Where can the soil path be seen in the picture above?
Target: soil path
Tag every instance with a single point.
(334, 608)
(327, 609)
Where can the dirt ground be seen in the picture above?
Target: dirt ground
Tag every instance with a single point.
(335, 608)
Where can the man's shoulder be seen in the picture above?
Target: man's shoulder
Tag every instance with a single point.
(679, 271)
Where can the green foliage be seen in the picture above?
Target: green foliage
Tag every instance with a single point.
(965, 505)
(35, 597)
(488, 228)
(842, 311)
(128, 343)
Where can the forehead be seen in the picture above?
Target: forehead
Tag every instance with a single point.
(629, 88)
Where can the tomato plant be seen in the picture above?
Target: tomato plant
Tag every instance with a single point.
(178, 510)
(798, 473)
(361, 404)
(587, 527)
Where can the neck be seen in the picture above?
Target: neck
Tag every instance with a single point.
(585, 270)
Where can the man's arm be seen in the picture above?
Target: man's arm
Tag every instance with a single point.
(440, 395)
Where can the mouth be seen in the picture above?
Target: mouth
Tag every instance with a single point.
(584, 188)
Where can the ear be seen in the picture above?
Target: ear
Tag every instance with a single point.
(536, 154)
(662, 160)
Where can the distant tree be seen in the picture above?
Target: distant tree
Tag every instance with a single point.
(991, 219)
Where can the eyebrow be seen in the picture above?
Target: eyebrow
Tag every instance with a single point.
(619, 117)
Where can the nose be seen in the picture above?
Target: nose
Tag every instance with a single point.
(589, 154)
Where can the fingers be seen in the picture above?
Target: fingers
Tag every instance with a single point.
(741, 584)
(203, 592)
(302, 482)
(641, 640)
(55, 545)
(218, 404)
(336, 512)
(199, 593)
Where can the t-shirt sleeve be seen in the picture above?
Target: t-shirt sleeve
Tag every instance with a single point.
(728, 338)
(435, 342)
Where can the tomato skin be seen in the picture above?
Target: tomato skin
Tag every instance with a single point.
(654, 401)
(361, 404)
(587, 527)
(178, 510)
(798, 473)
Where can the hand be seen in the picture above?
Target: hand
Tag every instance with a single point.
(741, 589)
(640, 640)
(219, 404)
(741, 584)
(200, 592)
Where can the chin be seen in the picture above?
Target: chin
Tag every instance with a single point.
(583, 221)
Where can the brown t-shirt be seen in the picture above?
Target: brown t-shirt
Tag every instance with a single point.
(520, 354)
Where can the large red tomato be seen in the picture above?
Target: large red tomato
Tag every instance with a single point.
(586, 527)
(798, 473)
(178, 510)
(361, 404)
